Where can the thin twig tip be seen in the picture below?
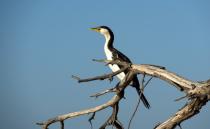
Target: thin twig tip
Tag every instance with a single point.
(39, 123)
(75, 77)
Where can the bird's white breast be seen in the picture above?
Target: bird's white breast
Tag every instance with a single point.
(114, 67)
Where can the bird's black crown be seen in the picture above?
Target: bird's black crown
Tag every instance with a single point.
(105, 27)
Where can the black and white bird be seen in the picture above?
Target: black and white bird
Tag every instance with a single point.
(112, 53)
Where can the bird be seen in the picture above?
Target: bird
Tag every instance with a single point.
(112, 53)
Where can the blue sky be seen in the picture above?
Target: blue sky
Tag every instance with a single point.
(44, 42)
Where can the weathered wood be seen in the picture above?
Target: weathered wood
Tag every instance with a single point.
(198, 94)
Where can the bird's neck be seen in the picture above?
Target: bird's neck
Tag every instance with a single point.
(109, 39)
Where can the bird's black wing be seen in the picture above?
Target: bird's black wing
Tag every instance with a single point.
(119, 55)
(135, 83)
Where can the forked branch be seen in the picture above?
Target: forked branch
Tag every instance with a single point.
(111, 103)
(198, 94)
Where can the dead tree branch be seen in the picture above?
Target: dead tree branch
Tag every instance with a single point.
(63, 117)
(190, 109)
(198, 94)
(102, 77)
(111, 103)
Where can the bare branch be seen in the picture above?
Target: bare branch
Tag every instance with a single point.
(119, 95)
(104, 92)
(91, 118)
(144, 86)
(102, 77)
(138, 103)
(115, 61)
(191, 109)
(198, 94)
(63, 117)
(172, 78)
(139, 99)
(113, 120)
(183, 97)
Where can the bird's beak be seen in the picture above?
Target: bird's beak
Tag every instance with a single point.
(95, 29)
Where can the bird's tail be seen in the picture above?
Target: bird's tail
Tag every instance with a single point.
(144, 100)
(136, 85)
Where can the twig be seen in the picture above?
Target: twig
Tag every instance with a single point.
(120, 86)
(107, 91)
(130, 121)
(91, 118)
(102, 77)
(107, 62)
(103, 92)
(178, 99)
(139, 99)
(113, 120)
(142, 82)
(101, 60)
(144, 86)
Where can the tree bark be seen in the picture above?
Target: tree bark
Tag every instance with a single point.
(198, 94)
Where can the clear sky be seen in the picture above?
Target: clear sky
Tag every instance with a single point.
(44, 42)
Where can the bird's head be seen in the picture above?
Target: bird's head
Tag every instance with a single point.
(104, 30)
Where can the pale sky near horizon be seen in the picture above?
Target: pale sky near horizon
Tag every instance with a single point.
(44, 42)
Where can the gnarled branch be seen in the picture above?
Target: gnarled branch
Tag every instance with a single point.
(113, 103)
(198, 94)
